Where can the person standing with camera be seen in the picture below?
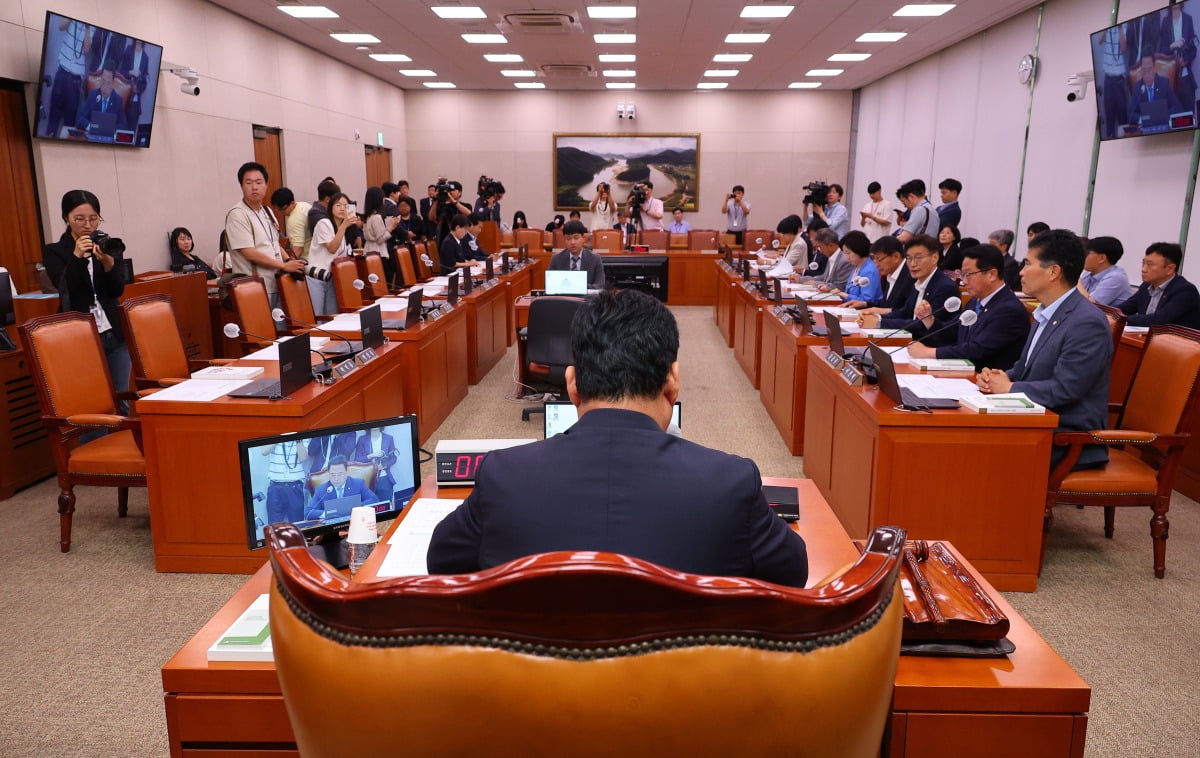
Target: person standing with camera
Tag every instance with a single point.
(447, 203)
(736, 210)
(329, 242)
(645, 207)
(85, 266)
(604, 210)
(832, 211)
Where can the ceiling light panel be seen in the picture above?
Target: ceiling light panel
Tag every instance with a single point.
(804, 85)
(458, 11)
(928, 9)
(766, 11)
(529, 85)
(417, 72)
(848, 57)
(503, 58)
(612, 11)
(615, 39)
(390, 57)
(824, 72)
(620, 85)
(732, 57)
(620, 73)
(881, 37)
(721, 72)
(746, 39)
(618, 58)
(439, 85)
(519, 73)
(307, 11)
(485, 39)
(712, 85)
(352, 38)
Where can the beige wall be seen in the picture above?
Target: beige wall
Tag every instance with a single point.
(249, 75)
(771, 142)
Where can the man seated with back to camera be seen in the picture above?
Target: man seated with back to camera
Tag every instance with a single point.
(1164, 296)
(616, 481)
(1065, 362)
(576, 257)
(931, 289)
(996, 338)
(887, 253)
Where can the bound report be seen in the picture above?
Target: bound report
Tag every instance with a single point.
(248, 638)
(1015, 402)
(228, 372)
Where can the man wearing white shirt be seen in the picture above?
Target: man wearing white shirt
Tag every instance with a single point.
(876, 216)
(651, 210)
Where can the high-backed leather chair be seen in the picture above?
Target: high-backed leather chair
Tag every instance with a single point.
(155, 342)
(349, 298)
(1116, 322)
(531, 237)
(702, 239)
(368, 264)
(558, 239)
(420, 252)
(76, 395)
(606, 240)
(750, 239)
(548, 344)
(1145, 444)
(405, 267)
(295, 299)
(656, 239)
(585, 654)
(253, 311)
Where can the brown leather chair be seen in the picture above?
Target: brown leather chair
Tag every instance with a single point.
(606, 240)
(1116, 322)
(368, 264)
(1151, 422)
(155, 342)
(76, 395)
(558, 239)
(534, 238)
(750, 239)
(349, 297)
(678, 241)
(404, 264)
(585, 654)
(296, 300)
(702, 239)
(253, 311)
(656, 239)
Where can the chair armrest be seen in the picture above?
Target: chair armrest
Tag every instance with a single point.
(97, 420)
(147, 392)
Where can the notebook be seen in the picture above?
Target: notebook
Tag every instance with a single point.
(890, 386)
(295, 371)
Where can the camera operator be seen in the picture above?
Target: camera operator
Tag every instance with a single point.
(487, 205)
(831, 211)
(736, 210)
(645, 208)
(447, 203)
(84, 266)
(604, 210)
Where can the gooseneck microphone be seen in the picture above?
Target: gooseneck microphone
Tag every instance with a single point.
(233, 331)
(966, 318)
(279, 315)
(951, 305)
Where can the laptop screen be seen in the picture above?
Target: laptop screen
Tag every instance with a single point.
(295, 365)
(566, 282)
(562, 415)
(413, 316)
(886, 371)
(836, 343)
(370, 321)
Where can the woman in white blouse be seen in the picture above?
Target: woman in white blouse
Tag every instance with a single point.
(328, 242)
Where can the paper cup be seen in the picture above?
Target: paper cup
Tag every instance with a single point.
(362, 526)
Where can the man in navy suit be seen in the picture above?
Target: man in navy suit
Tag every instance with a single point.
(1066, 359)
(996, 339)
(616, 481)
(576, 257)
(1165, 297)
(931, 289)
(888, 255)
(340, 485)
(103, 100)
(1154, 87)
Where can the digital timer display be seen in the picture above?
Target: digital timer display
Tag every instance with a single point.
(458, 467)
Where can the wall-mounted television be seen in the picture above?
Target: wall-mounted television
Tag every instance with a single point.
(96, 86)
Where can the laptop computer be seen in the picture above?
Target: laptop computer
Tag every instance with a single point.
(489, 270)
(468, 283)
(338, 508)
(370, 323)
(1154, 113)
(295, 371)
(102, 126)
(836, 343)
(452, 289)
(890, 385)
(566, 283)
(561, 415)
(805, 316)
(505, 267)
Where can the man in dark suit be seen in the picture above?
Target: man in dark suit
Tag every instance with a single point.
(616, 481)
(576, 257)
(931, 289)
(888, 255)
(1154, 87)
(1165, 297)
(998, 335)
(103, 100)
(340, 485)
(1064, 364)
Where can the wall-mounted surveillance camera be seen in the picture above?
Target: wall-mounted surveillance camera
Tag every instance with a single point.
(1078, 85)
(191, 78)
(621, 110)
(188, 88)
(630, 111)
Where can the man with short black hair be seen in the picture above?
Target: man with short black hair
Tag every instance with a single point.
(651, 210)
(339, 485)
(949, 212)
(253, 234)
(833, 212)
(1036, 228)
(294, 215)
(931, 289)
(1165, 297)
(616, 481)
(391, 192)
(453, 248)
(1103, 281)
(922, 218)
(576, 257)
(1064, 364)
(876, 216)
(320, 209)
(888, 256)
(737, 209)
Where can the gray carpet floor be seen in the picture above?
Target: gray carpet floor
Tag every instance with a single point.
(85, 634)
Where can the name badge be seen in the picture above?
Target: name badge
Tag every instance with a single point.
(435, 314)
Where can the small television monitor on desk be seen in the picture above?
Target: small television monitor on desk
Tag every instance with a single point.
(313, 478)
(647, 273)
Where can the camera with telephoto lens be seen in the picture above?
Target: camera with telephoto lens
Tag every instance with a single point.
(638, 194)
(111, 246)
(818, 193)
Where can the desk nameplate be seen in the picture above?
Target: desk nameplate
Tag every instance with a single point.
(850, 374)
(833, 359)
(366, 356)
(345, 368)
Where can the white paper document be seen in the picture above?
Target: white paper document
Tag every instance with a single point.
(842, 314)
(392, 303)
(932, 387)
(900, 356)
(410, 542)
(198, 390)
(271, 352)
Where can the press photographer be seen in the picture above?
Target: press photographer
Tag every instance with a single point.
(487, 205)
(826, 202)
(447, 203)
(644, 207)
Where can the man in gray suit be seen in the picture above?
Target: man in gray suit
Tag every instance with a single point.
(576, 257)
(1066, 359)
(838, 270)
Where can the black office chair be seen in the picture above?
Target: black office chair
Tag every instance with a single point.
(548, 345)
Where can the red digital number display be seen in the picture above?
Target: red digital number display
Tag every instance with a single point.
(465, 466)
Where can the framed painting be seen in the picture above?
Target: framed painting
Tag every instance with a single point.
(671, 162)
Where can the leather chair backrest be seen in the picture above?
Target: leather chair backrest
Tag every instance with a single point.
(345, 271)
(606, 240)
(750, 239)
(1116, 322)
(702, 239)
(585, 654)
(656, 239)
(67, 363)
(548, 344)
(295, 299)
(252, 307)
(531, 237)
(1164, 383)
(558, 239)
(372, 263)
(152, 335)
(404, 261)
(121, 85)
(420, 251)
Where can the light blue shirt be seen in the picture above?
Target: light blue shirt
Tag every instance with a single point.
(1043, 315)
(679, 227)
(872, 290)
(1109, 287)
(838, 219)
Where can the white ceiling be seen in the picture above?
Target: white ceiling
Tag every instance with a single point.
(676, 39)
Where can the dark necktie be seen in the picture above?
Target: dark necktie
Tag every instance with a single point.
(574, 264)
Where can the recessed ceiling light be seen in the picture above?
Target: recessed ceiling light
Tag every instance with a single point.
(732, 57)
(617, 57)
(529, 85)
(307, 11)
(881, 37)
(352, 38)
(362, 47)
(766, 11)
(503, 58)
(439, 85)
(485, 39)
(848, 57)
(721, 72)
(620, 85)
(390, 57)
(458, 11)
(746, 39)
(417, 72)
(712, 85)
(929, 9)
(620, 73)
(824, 72)
(612, 11)
(804, 85)
(518, 72)
(615, 39)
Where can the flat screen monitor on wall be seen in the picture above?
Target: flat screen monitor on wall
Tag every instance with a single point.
(1145, 78)
(96, 86)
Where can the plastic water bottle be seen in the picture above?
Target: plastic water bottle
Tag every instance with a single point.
(362, 537)
(359, 552)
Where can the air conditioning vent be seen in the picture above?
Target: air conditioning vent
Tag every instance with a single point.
(567, 70)
(541, 22)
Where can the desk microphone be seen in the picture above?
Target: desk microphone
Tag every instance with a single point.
(951, 305)
(374, 279)
(233, 331)
(279, 315)
(967, 318)
(427, 261)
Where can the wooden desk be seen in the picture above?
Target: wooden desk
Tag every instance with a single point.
(1030, 703)
(724, 313)
(192, 469)
(487, 327)
(976, 480)
(689, 273)
(25, 454)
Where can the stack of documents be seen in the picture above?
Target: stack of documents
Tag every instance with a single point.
(197, 390)
(1013, 402)
(409, 544)
(248, 638)
(923, 385)
(226, 373)
(943, 364)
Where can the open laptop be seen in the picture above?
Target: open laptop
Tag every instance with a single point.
(452, 289)
(806, 317)
(836, 343)
(566, 283)
(370, 323)
(338, 509)
(890, 386)
(102, 126)
(295, 371)
(561, 415)
(1153, 113)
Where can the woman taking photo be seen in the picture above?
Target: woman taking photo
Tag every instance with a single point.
(183, 253)
(604, 210)
(328, 242)
(377, 231)
(87, 273)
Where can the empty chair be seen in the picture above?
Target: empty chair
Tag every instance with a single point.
(371, 264)
(558, 239)
(757, 239)
(349, 297)
(295, 299)
(655, 239)
(155, 343)
(702, 239)
(253, 312)
(606, 240)
(533, 238)
(548, 344)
